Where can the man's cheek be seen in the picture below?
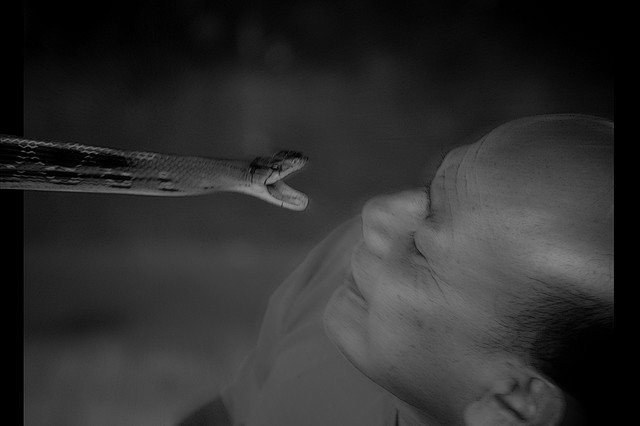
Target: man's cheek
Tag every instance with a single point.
(395, 323)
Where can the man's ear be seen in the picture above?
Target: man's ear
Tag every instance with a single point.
(526, 400)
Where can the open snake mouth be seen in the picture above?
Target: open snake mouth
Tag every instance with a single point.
(273, 170)
(295, 200)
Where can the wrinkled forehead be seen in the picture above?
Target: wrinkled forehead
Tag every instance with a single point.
(542, 185)
(544, 158)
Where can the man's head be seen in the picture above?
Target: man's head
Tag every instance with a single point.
(467, 296)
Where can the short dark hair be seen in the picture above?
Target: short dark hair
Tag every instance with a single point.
(567, 334)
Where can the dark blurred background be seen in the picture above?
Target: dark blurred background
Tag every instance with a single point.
(137, 309)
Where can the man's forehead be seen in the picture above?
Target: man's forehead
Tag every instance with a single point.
(538, 161)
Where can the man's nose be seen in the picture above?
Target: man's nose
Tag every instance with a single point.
(389, 221)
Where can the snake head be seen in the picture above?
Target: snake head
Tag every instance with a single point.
(267, 173)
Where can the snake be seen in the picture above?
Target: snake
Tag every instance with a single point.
(36, 165)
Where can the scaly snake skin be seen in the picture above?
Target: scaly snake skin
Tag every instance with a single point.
(56, 166)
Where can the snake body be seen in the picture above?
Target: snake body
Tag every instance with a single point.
(58, 166)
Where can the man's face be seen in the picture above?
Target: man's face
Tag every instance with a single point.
(421, 297)
(439, 267)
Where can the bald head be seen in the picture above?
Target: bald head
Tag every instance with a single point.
(545, 186)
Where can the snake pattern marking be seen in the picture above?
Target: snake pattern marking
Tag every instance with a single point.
(58, 166)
